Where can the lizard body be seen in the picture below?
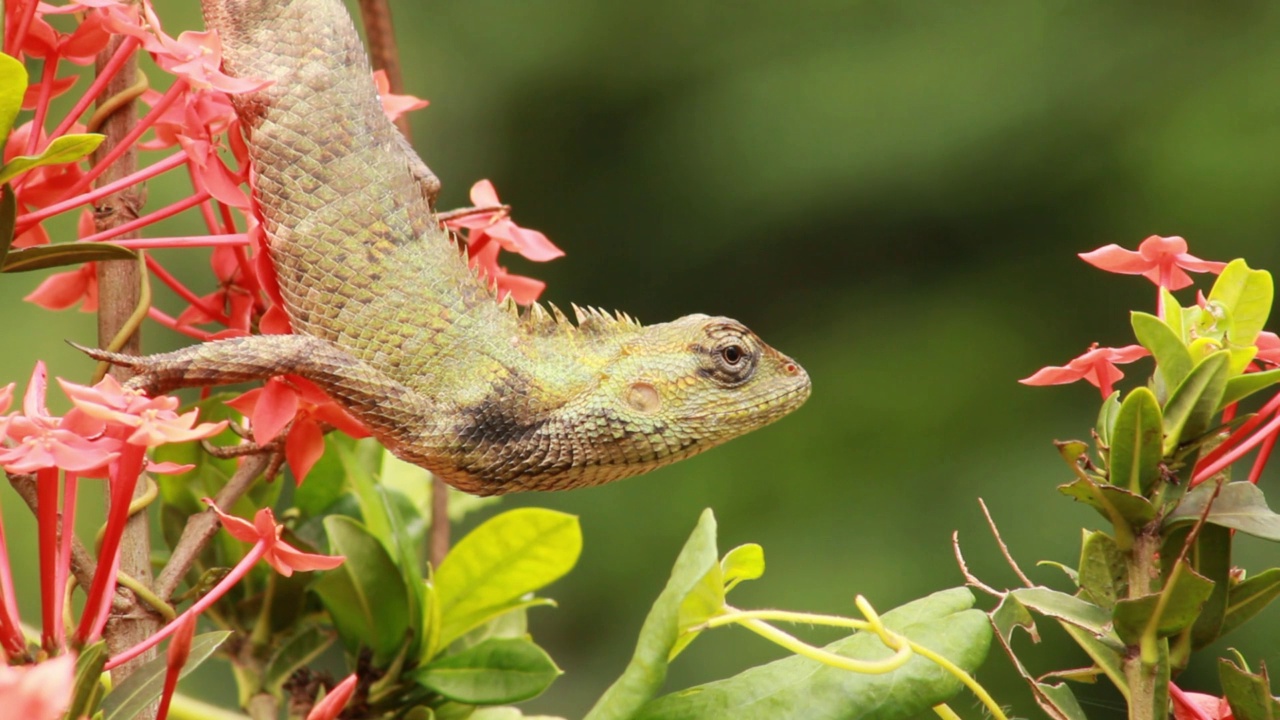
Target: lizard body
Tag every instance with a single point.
(394, 325)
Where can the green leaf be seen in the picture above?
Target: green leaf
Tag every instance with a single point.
(47, 256)
(1057, 701)
(1104, 656)
(507, 556)
(1064, 607)
(706, 600)
(1114, 502)
(1240, 506)
(507, 713)
(797, 687)
(745, 562)
(1173, 360)
(1192, 406)
(1211, 558)
(62, 150)
(1242, 386)
(1249, 597)
(1107, 417)
(13, 85)
(496, 671)
(1136, 451)
(648, 667)
(297, 650)
(1247, 294)
(8, 219)
(385, 522)
(145, 684)
(365, 595)
(1248, 694)
(1103, 574)
(1182, 605)
(88, 689)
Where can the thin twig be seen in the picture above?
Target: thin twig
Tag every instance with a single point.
(201, 527)
(1004, 549)
(376, 15)
(969, 577)
(378, 28)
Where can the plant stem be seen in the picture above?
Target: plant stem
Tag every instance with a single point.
(1148, 681)
(119, 283)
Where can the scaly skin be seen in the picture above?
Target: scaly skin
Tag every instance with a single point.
(391, 322)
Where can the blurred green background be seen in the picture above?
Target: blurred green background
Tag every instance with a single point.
(891, 192)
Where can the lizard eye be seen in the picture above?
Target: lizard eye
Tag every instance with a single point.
(732, 354)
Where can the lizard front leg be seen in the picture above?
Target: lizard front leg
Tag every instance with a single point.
(373, 397)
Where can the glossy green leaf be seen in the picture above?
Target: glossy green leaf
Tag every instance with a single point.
(1242, 386)
(13, 85)
(1136, 443)
(1191, 408)
(8, 219)
(797, 687)
(647, 670)
(89, 689)
(1249, 597)
(1103, 575)
(745, 562)
(1247, 294)
(295, 651)
(496, 671)
(1240, 506)
(1173, 361)
(1180, 608)
(490, 569)
(48, 256)
(1112, 501)
(1064, 607)
(1107, 417)
(62, 150)
(144, 685)
(365, 595)
(1248, 694)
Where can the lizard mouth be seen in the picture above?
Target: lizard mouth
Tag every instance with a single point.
(768, 409)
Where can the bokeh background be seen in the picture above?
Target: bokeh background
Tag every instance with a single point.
(891, 192)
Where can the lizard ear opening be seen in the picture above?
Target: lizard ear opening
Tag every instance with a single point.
(643, 397)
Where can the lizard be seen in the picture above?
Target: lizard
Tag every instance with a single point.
(391, 322)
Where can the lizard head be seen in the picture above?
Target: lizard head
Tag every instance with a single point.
(681, 387)
(638, 398)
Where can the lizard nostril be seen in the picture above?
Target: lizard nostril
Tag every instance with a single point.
(791, 368)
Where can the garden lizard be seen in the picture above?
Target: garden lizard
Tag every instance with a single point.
(392, 323)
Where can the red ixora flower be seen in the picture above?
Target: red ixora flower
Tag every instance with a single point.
(298, 405)
(38, 692)
(1097, 365)
(279, 554)
(1162, 260)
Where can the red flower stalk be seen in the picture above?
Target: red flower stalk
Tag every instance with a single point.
(1238, 443)
(265, 534)
(179, 650)
(1097, 365)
